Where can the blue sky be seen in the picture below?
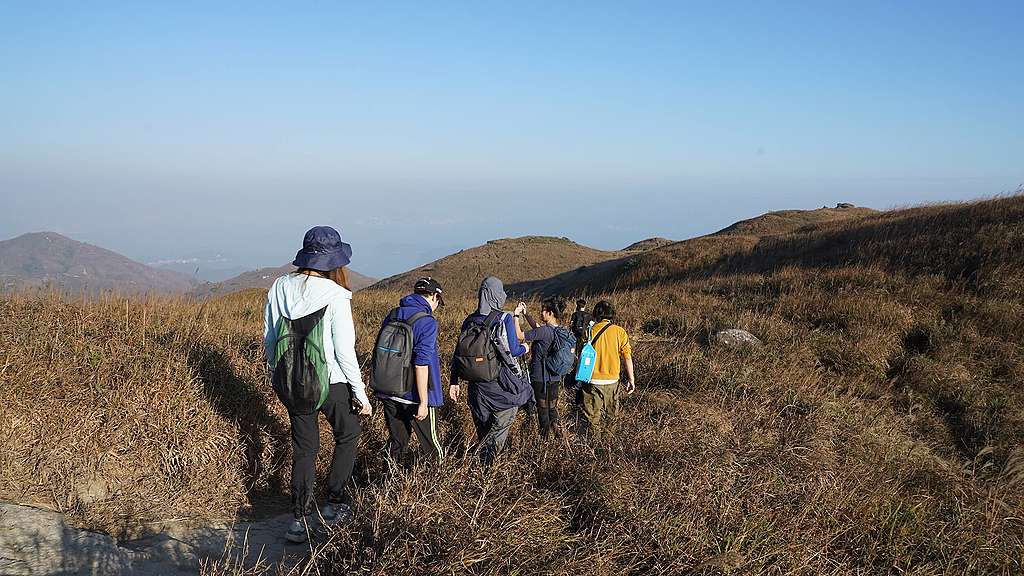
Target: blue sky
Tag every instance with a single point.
(189, 129)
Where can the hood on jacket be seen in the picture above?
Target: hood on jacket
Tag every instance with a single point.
(415, 301)
(492, 295)
(302, 294)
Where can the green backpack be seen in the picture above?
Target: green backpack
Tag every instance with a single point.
(301, 379)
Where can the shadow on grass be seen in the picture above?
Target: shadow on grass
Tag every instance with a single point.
(265, 437)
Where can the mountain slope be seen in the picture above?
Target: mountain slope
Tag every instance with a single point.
(648, 244)
(786, 221)
(47, 258)
(656, 259)
(514, 260)
(262, 278)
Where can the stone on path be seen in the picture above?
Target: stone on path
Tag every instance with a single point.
(736, 338)
(34, 542)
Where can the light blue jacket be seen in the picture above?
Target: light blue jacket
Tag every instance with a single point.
(295, 295)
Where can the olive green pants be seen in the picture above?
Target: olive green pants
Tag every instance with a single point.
(600, 404)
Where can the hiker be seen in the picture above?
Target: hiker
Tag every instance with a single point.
(600, 395)
(552, 357)
(309, 338)
(580, 321)
(486, 357)
(411, 393)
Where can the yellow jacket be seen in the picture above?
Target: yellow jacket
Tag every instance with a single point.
(613, 345)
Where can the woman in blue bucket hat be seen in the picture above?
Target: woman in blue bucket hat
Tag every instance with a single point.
(309, 338)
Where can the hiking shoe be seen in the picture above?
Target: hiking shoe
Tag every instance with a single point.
(296, 533)
(334, 514)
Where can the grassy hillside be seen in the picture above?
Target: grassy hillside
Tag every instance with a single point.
(878, 430)
(975, 242)
(514, 260)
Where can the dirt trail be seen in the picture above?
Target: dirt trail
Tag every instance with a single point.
(34, 541)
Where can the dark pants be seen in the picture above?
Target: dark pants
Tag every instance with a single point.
(306, 445)
(401, 421)
(493, 433)
(546, 394)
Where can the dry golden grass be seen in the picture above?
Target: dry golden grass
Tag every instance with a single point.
(879, 430)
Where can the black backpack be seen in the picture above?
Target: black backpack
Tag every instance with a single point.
(393, 373)
(580, 323)
(301, 378)
(476, 353)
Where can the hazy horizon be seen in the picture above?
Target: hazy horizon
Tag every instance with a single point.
(191, 131)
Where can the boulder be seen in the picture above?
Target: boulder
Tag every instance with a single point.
(736, 338)
(845, 205)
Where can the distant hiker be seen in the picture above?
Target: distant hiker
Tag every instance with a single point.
(407, 372)
(579, 323)
(309, 338)
(486, 357)
(552, 357)
(580, 320)
(600, 394)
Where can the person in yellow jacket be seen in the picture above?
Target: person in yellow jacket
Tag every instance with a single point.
(600, 396)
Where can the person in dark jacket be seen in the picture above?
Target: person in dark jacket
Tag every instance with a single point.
(580, 321)
(493, 405)
(417, 409)
(546, 387)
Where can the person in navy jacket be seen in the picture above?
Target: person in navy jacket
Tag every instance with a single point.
(417, 409)
(492, 404)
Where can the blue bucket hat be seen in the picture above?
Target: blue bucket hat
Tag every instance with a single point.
(323, 250)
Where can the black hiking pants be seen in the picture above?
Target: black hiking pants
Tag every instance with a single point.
(401, 421)
(306, 446)
(546, 395)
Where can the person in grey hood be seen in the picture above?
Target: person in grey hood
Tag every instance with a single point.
(319, 288)
(494, 404)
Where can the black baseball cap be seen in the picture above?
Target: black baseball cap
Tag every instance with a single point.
(428, 285)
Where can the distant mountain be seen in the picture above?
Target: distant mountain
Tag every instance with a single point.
(262, 278)
(202, 267)
(514, 260)
(49, 259)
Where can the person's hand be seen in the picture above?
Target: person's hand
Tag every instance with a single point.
(630, 387)
(520, 308)
(362, 409)
(422, 411)
(453, 392)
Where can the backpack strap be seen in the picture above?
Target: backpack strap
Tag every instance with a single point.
(492, 319)
(415, 317)
(393, 317)
(594, 341)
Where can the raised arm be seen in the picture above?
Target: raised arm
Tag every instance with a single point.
(515, 336)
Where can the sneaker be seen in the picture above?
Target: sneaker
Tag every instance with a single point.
(334, 514)
(296, 533)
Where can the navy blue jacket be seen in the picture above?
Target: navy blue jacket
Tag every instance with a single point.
(424, 347)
